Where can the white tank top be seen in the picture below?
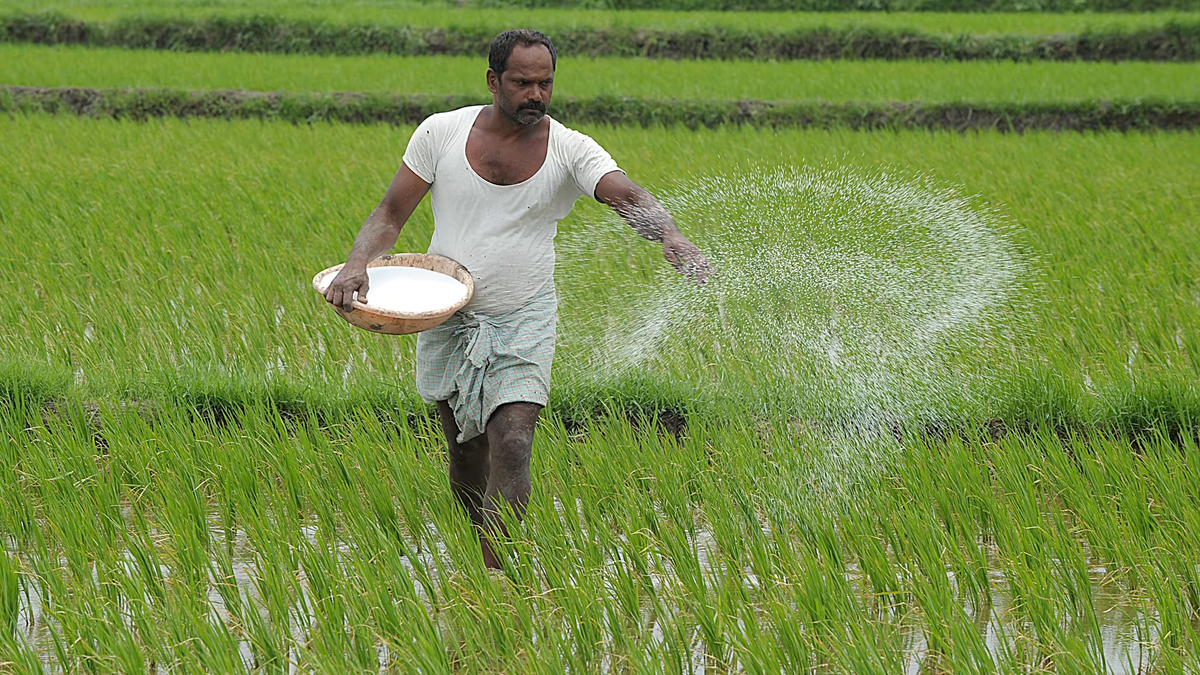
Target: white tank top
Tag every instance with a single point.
(503, 234)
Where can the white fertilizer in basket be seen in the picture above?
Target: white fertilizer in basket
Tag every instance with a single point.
(411, 290)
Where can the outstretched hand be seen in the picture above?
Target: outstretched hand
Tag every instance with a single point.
(648, 218)
(686, 258)
(340, 292)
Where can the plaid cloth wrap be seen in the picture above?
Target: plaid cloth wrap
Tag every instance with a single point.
(477, 363)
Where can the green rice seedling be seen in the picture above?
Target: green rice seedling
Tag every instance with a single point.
(340, 634)
(18, 522)
(1060, 546)
(942, 615)
(218, 351)
(1173, 491)
(980, 81)
(963, 526)
(398, 476)
(18, 657)
(225, 584)
(10, 595)
(275, 585)
(825, 605)
(752, 648)
(422, 15)
(1093, 499)
(1164, 467)
(1093, 522)
(864, 542)
(400, 617)
(1176, 632)
(182, 516)
(724, 546)
(1044, 555)
(1115, 472)
(268, 653)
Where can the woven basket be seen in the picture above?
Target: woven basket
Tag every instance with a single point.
(391, 322)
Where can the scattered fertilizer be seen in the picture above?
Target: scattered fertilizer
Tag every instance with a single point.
(409, 289)
(861, 296)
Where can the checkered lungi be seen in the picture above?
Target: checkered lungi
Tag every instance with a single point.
(477, 363)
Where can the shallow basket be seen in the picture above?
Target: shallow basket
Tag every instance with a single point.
(390, 322)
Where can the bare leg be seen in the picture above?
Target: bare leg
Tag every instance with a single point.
(510, 437)
(468, 466)
(493, 468)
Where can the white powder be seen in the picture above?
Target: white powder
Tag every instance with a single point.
(409, 289)
(865, 296)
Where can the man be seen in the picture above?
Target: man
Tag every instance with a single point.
(500, 177)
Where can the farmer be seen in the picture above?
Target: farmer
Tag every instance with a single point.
(501, 177)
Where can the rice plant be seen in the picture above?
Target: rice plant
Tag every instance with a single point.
(830, 80)
(431, 14)
(171, 260)
(264, 543)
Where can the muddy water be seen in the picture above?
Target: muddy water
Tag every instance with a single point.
(1123, 621)
(1128, 627)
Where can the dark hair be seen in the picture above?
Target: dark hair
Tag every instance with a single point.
(502, 47)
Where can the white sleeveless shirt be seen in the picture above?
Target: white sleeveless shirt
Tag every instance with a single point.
(503, 234)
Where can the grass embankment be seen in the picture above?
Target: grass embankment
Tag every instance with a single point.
(172, 260)
(977, 82)
(262, 33)
(271, 546)
(375, 108)
(432, 15)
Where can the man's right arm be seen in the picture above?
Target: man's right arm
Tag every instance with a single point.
(377, 236)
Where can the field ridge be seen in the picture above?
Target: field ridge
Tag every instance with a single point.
(1137, 418)
(375, 108)
(1173, 41)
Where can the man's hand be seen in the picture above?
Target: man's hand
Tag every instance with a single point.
(686, 257)
(648, 218)
(349, 279)
(377, 235)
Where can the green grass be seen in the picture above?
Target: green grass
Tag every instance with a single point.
(173, 259)
(981, 81)
(741, 548)
(407, 13)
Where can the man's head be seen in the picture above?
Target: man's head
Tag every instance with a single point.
(521, 74)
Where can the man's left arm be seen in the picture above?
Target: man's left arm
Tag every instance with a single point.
(648, 218)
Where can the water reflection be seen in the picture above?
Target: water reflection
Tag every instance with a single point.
(1128, 625)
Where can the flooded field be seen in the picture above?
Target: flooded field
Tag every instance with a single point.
(281, 546)
(1128, 629)
(935, 411)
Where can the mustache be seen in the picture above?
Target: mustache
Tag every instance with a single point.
(533, 105)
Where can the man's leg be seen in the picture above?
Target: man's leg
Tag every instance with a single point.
(510, 444)
(468, 466)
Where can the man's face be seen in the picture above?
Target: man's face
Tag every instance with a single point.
(523, 92)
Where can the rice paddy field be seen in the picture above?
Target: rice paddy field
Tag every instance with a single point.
(984, 81)
(936, 412)
(434, 14)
